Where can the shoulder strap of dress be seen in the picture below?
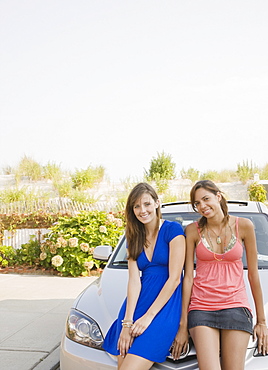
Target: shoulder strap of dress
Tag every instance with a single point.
(198, 229)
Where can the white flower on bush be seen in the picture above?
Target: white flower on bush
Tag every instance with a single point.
(118, 222)
(84, 247)
(102, 229)
(57, 261)
(61, 242)
(53, 249)
(43, 256)
(58, 245)
(110, 217)
(89, 265)
(73, 242)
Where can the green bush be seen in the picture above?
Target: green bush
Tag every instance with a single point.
(29, 252)
(70, 245)
(7, 256)
(30, 168)
(257, 192)
(85, 179)
(11, 195)
(161, 168)
(52, 171)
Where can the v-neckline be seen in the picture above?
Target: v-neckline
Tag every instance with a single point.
(150, 261)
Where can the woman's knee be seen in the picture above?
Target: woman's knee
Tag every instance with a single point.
(233, 349)
(207, 345)
(134, 362)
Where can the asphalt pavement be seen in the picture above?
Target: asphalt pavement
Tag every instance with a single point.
(33, 311)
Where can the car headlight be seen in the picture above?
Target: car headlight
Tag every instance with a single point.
(83, 329)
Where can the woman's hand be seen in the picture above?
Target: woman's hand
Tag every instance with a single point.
(180, 343)
(140, 325)
(261, 333)
(125, 341)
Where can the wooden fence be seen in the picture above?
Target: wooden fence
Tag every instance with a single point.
(55, 205)
(17, 237)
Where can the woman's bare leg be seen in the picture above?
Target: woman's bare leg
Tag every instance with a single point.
(233, 349)
(207, 344)
(120, 360)
(134, 362)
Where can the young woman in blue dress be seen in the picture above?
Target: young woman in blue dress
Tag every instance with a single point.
(150, 316)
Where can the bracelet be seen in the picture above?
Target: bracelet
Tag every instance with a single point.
(127, 325)
(258, 323)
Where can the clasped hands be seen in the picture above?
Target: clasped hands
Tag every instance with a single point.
(128, 334)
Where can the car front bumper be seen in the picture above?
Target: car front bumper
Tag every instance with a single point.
(76, 356)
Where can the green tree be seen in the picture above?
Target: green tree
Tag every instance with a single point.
(161, 168)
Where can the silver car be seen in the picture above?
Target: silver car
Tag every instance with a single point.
(97, 306)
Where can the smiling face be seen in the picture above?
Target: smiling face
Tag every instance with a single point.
(145, 209)
(207, 203)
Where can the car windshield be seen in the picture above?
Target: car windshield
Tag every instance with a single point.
(259, 220)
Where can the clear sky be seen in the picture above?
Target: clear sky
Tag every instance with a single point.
(113, 83)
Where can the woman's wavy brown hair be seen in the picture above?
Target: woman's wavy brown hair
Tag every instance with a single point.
(212, 188)
(135, 230)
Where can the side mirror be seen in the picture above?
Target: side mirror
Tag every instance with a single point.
(102, 252)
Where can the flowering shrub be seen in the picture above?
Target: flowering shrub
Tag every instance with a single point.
(7, 256)
(257, 192)
(70, 244)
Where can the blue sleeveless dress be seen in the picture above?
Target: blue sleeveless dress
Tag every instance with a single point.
(156, 340)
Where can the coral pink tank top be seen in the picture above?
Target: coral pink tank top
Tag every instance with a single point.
(219, 280)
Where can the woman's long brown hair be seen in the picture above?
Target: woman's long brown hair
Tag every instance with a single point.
(212, 188)
(135, 230)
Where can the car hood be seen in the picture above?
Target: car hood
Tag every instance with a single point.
(102, 299)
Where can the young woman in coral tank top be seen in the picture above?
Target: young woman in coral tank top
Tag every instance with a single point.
(215, 305)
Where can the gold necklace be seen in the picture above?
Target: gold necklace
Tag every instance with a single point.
(224, 245)
(218, 237)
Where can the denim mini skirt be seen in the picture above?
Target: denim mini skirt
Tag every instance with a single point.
(239, 318)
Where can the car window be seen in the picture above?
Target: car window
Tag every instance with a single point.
(259, 220)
